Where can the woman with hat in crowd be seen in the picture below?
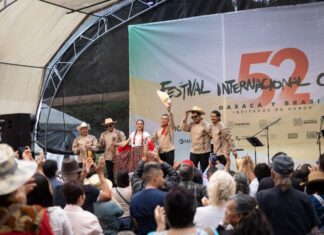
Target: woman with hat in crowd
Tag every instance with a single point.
(84, 145)
(110, 140)
(315, 187)
(15, 216)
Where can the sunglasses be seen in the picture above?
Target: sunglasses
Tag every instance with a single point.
(110, 125)
(194, 117)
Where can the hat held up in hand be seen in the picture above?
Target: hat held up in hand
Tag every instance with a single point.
(165, 99)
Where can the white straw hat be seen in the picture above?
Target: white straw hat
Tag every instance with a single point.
(13, 172)
(165, 99)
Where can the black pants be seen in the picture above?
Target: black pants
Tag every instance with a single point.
(110, 170)
(201, 158)
(168, 157)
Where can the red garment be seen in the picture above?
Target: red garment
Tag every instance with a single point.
(44, 224)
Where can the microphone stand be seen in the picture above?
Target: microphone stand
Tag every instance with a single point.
(267, 135)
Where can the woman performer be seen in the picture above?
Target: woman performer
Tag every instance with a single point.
(132, 150)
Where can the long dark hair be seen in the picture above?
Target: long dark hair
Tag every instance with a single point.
(253, 221)
(41, 194)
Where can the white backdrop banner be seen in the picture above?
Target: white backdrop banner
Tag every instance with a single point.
(255, 67)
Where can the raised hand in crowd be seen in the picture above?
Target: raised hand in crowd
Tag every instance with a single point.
(160, 218)
(204, 201)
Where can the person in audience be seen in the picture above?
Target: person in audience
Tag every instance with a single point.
(83, 222)
(261, 171)
(144, 202)
(42, 195)
(243, 214)
(315, 187)
(186, 171)
(220, 188)
(15, 182)
(128, 159)
(107, 214)
(123, 194)
(302, 172)
(242, 185)
(84, 145)
(288, 210)
(50, 171)
(71, 171)
(321, 162)
(222, 139)
(171, 177)
(164, 136)
(178, 214)
(200, 137)
(109, 140)
(267, 182)
(247, 167)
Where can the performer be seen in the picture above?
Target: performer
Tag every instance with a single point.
(200, 137)
(164, 136)
(137, 140)
(222, 139)
(84, 145)
(110, 139)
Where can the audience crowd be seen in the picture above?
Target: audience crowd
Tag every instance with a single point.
(160, 199)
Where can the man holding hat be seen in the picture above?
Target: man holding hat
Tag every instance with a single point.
(84, 145)
(200, 137)
(165, 137)
(288, 210)
(109, 140)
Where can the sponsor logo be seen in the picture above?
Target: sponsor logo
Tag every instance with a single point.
(298, 121)
(312, 121)
(312, 134)
(184, 141)
(292, 135)
(243, 124)
(230, 125)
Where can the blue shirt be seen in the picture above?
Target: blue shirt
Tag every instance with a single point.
(142, 208)
(319, 208)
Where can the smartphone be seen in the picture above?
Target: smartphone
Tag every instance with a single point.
(213, 158)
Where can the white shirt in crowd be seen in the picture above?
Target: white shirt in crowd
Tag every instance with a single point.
(254, 185)
(126, 193)
(83, 222)
(209, 216)
(60, 223)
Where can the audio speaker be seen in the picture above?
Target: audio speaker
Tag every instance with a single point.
(16, 129)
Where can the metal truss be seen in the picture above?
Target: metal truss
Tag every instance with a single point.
(5, 3)
(103, 25)
(119, 15)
